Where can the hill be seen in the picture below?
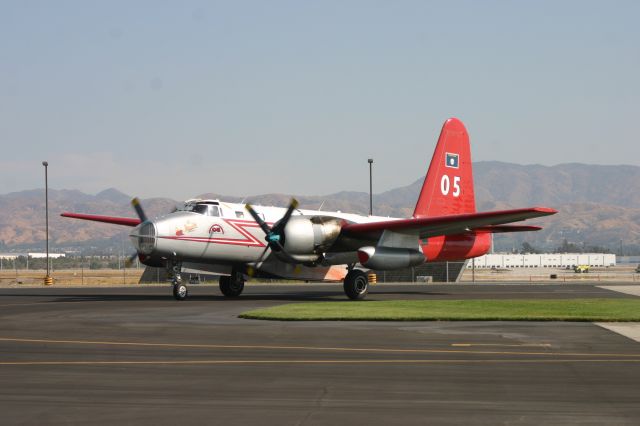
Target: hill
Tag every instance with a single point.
(599, 205)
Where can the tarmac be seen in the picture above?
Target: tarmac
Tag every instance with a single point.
(135, 355)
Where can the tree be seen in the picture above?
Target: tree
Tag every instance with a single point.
(568, 247)
(528, 248)
(596, 249)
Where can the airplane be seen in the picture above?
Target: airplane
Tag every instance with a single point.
(239, 241)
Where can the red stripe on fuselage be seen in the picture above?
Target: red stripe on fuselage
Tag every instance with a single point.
(238, 225)
(236, 242)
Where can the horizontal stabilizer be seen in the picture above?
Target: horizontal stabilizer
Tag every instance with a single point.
(126, 221)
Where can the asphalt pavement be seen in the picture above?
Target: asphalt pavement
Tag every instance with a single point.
(135, 355)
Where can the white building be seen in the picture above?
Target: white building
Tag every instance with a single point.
(43, 255)
(12, 256)
(544, 260)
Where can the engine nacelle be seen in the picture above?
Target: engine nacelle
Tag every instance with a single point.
(307, 235)
(386, 258)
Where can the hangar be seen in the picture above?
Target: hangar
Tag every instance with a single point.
(543, 260)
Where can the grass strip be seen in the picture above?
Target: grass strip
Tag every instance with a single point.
(591, 310)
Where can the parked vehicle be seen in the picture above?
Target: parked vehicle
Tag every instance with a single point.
(581, 269)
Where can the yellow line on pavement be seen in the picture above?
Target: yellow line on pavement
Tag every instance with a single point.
(523, 345)
(313, 348)
(318, 361)
(8, 305)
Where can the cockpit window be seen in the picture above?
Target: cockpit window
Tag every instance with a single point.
(206, 209)
(200, 208)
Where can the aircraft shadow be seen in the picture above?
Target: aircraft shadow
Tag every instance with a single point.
(283, 297)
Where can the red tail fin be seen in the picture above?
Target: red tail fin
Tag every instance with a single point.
(448, 187)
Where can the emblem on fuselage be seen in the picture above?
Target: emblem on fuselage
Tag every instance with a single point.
(187, 227)
(216, 229)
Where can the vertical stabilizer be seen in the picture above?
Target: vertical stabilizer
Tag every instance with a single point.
(448, 186)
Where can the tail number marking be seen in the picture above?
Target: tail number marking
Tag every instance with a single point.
(445, 185)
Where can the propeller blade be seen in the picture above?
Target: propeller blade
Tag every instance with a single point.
(282, 253)
(258, 219)
(138, 208)
(279, 227)
(130, 259)
(262, 255)
(253, 268)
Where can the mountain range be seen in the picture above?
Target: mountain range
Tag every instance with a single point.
(598, 205)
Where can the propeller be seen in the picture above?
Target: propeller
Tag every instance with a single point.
(138, 208)
(143, 218)
(129, 261)
(273, 235)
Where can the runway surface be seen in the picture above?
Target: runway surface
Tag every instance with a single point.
(135, 355)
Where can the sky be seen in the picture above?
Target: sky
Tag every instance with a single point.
(178, 98)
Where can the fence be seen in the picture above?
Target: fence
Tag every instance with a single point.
(612, 274)
(80, 276)
(427, 272)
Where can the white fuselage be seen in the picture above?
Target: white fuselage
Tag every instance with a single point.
(231, 237)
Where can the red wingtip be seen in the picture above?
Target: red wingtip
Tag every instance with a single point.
(546, 210)
(126, 221)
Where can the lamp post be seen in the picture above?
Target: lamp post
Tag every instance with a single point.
(370, 160)
(47, 280)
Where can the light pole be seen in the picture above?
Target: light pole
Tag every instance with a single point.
(370, 160)
(47, 280)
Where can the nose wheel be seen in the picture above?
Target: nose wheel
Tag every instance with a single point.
(180, 291)
(174, 272)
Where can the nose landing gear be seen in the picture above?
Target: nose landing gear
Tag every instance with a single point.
(174, 273)
(180, 291)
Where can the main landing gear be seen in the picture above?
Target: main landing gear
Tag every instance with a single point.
(356, 284)
(232, 285)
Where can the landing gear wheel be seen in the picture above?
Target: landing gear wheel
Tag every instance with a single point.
(356, 284)
(231, 286)
(180, 291)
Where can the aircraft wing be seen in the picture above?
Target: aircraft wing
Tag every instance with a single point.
(453, 224)
(127, 221)
(501, 229)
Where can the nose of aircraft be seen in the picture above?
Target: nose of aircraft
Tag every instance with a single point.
(143, 238)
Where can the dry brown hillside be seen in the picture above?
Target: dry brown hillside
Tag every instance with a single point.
(599, 205)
